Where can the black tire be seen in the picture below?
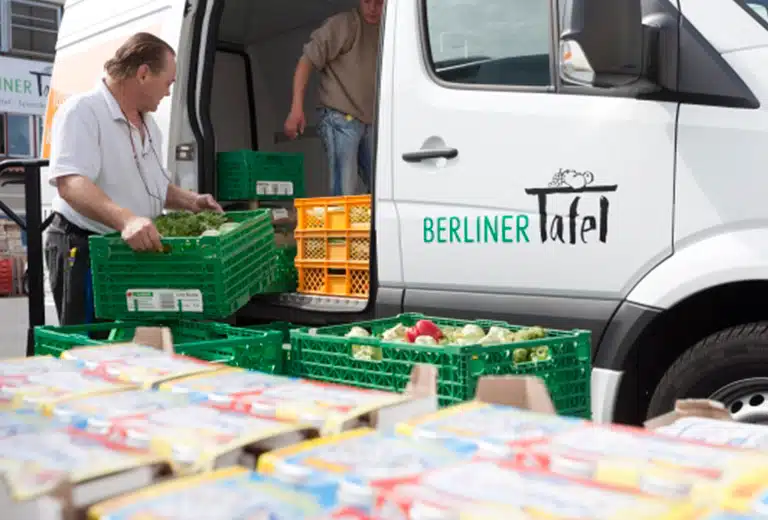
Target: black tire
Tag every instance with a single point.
(731, 355)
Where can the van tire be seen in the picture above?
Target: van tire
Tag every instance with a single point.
(734, 354)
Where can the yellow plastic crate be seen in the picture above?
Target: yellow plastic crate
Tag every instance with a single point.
(345, 279)
(333, 246)
(334, 213)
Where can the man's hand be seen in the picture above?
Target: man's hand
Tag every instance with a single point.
(140, 233)
(295, 124)
(206, 202)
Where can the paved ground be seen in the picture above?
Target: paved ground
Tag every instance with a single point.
(13, 325)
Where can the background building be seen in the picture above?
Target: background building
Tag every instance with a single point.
(28, 33)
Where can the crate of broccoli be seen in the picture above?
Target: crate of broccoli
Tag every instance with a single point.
(211, 265)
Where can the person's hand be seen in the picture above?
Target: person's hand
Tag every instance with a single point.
(295, 124)
(141, 234)
(206, 202)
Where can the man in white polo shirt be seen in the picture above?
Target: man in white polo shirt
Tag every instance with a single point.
(105, 163)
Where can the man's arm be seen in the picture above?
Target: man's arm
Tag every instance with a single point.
(180, 199)
(90, 201)
(300, 80)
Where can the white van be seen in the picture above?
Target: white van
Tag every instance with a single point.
(598, 164)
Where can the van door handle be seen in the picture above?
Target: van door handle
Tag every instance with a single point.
(435, 153)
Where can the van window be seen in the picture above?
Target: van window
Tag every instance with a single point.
(760, 8)
(489, 42)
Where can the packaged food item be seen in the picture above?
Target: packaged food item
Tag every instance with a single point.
(485, 489)
(714, 476)
(718, 432)
(198, 438)
(92, 357)
(226, 387)
(34, 465)
(332, 408)
(17, 370)
(360, 461)
(41, 392)
(95, 413)
(222, 495)
(150, 371)
(494, 429)
(23, 422)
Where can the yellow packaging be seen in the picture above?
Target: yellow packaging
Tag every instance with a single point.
(711, 476)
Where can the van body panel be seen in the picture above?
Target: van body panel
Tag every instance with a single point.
(493, 209)
(734, 255)
(89, 34)
(726, 25)
(591, 314)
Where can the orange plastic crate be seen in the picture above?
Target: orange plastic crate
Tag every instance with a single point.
(333, 246)
(334, 213)
(333, 279)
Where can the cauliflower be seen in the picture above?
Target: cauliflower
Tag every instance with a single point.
(357, 332)
(425, 340)
(396, 333)
(471, 331)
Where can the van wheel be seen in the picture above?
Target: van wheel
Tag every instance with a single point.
(730, 366)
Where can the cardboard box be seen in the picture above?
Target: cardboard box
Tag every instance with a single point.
(53, 474)
(147, 361)
(229, 493)
(703, 420)
(283, 213)
(633, 459)
(197, 438)
(336, 408)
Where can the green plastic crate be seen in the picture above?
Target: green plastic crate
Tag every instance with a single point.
(253, 175)
(208, 277)
(214, 342)
(283, 275)
(325, 354)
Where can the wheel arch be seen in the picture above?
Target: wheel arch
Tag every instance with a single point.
(643, 341)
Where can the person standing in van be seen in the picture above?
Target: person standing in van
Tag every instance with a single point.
(106, 168)
(344, 50)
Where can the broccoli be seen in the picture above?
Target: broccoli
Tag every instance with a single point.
(184, 224)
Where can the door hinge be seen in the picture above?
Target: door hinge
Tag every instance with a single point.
(185, 152)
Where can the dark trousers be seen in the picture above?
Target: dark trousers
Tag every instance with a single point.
(69, 269)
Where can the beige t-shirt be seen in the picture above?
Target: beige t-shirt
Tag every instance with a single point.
(345, 50)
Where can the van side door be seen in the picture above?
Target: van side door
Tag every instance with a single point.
(516, 200)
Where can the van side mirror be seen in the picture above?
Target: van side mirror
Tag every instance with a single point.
(601, 42)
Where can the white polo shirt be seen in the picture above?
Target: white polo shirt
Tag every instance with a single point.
(91, 137)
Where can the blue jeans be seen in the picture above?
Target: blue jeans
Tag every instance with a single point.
(349, 149)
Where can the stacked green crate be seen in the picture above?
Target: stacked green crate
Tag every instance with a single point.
(251, 349)
(255, 175)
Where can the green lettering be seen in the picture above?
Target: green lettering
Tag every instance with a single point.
(467, 236)
(506, 227)
(491, 228)
(8, 84)
(455, 224)
(27, 87)
(441, 230)
(17, 86)
(429, 233)
(522, 226)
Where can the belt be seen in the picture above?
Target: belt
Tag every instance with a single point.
(67, 227)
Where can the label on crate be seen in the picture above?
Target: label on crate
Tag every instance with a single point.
(274, 188)
(164, 300)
